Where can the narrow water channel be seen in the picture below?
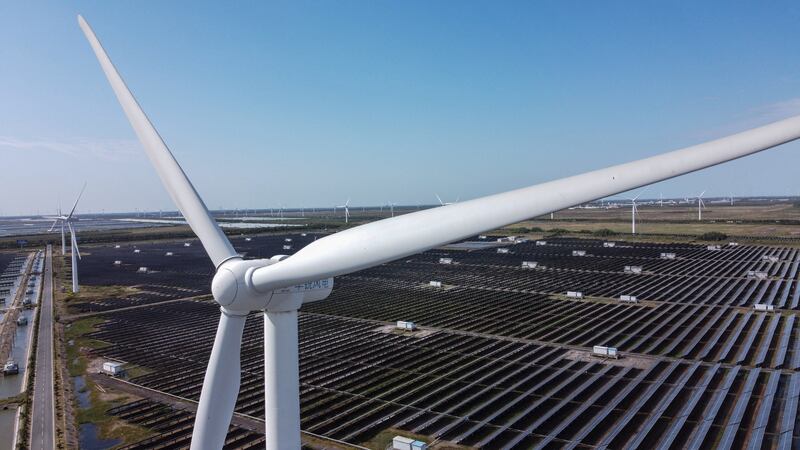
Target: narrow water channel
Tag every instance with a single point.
(8, 419)
(12, 384)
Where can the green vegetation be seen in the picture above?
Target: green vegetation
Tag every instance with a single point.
(713, 236)
(109, 427)
(76, 362)
(604, 232)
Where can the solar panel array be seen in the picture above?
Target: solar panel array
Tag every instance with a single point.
(502, 359)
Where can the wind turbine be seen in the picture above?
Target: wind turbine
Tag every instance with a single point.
(67, 221)
(446, 203)
(59, 218)
(700, 205)
(280, 285)
(634, 211)
(391, 207)
(346, 207)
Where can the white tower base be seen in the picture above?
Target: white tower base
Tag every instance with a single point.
(74, 255)
(281, 380)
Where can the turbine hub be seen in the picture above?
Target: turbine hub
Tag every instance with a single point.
(224, 286)
(231, 289)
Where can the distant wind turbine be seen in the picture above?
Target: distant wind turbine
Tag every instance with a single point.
(446, 203)
(346, 207)
(75, 253)
(700, 205)
(634, 211)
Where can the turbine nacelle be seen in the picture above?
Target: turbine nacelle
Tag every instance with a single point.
(233, 288)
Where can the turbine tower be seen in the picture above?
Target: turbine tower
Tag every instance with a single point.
(75, 255)
(280, 285)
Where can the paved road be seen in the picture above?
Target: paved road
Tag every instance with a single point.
(43, 412)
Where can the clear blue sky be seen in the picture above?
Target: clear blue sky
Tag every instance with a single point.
(309, 103)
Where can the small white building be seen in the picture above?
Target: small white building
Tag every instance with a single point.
(763, 307)
(445, 260)
(137, 251)
(437, 284)
(481, 237)
(168, 254)
(714, 248)
(529, 264)
(287, 247)
(668, 256)
(113, 369)
(404, 443)
(628, 299)
(770, 258)
(187, 244)
(288, 239)
(502, 250)
(574, 294)
(117, 263)
(605, 352)
(142, 269)
(609, 244)
(406, 325)
(579, 253)
(247, 239)
(757, 274)
(116, 246)
(541, 242)
(633, 269)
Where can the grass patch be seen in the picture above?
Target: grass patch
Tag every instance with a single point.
(81, 327)
(92, 293)
(109, 426)
(77, 331)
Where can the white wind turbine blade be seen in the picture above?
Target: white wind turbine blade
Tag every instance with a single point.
(52, 227)
(389, 239)
(172, 176)
(69, 217)
(440, 199)
(221, 387)
(639, 195)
